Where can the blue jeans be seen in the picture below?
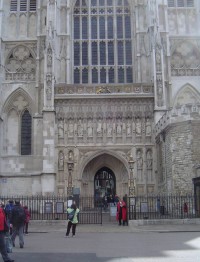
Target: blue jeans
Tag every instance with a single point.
(18, 230)
(3, 250)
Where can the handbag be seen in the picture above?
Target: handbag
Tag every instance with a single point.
(8, 243)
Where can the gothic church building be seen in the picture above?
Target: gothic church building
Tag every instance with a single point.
(94, 91)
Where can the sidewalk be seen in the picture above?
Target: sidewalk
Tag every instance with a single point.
(59, 226)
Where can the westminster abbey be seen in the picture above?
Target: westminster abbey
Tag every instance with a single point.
(93, 92)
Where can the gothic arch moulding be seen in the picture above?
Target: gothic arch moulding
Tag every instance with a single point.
(100, 153)
(187, 95)
(105, 161)
(19, 100)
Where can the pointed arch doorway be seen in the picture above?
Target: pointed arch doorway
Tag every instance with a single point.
(104, 183)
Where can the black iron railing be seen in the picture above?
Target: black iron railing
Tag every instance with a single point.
(54, 207)
(162, 207)
(139, 207)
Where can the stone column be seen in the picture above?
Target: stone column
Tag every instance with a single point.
(48, 176)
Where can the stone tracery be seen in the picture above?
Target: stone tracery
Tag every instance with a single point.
(20, 64)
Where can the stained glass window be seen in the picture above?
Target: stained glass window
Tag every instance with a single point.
(76, 54)
(84, 27)
(94, 53)
(85, 75)
(84, 53)
(103, 42)
(26, 126)
(94, 75)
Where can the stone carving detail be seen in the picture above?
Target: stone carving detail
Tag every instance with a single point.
(71, 155)
(128, 128)
(61, 161)
(20, 103)
(60, 128)
(71, 128)
(119, 127)
(185, 59)
(90, 128)
(159, 78)
(112, 123)
(138, 128)
(139, 162)
(20, 64)
(49, 56)
(99, 127)
(49, 86)
(148, 127)
(149, 165)
(80, 128)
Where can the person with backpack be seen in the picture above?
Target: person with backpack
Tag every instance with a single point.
(17, 220)
(8, 211)
(72, 215)
(3, 229)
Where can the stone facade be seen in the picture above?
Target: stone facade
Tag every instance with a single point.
(57, 133)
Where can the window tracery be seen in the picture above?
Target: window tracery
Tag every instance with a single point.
(102, 42)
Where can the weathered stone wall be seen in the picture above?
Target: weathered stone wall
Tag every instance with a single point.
(181, 147)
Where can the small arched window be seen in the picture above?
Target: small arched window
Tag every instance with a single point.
(26, 130)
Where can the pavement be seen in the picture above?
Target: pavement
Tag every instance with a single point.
(59, 226)
(109, 242)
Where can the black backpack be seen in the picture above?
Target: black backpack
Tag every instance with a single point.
(19, 215)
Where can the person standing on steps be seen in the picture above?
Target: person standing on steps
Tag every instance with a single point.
(121, 212)
(17, 220)
(72, 213)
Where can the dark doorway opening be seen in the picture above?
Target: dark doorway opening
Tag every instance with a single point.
(104, 184)
(196, 182)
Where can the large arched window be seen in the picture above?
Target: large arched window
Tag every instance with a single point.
(26, 126)
(102, 45)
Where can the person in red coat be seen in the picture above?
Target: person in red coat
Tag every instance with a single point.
(121, 212)
(3, 229)
(28, 216)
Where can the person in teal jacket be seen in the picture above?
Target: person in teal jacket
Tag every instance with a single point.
(72, 221)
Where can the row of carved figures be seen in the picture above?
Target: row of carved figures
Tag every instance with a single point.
(108, 127)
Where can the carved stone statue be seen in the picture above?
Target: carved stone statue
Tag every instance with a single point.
(71, 128)
(80, 128)
(71, 155)
(119, 127)
(109, 128)
(149, 161)
(138, 127)
(60, 128)
(139, 165)
(61, 161)
(128, 128)
(148, 127)
(90, 128)
(99, 127)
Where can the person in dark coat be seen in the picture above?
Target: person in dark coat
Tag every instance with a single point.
(17, 220)
(8, 209)
(121, 212)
